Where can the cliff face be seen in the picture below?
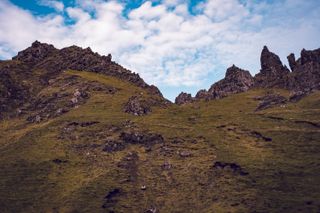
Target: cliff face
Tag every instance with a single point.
(305, 76)
(305, 71)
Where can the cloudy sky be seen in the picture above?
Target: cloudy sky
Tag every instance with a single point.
(178, 45)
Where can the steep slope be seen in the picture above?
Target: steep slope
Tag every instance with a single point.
(78, 145)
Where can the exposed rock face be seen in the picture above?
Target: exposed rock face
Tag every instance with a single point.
(184, 98)
(272, 73)
(305, 74)
(270, 100)
(235, 168)
(36, 53)
(32, 70)
(235, 81)
(136, 105)
(304, 78)
(47, 57)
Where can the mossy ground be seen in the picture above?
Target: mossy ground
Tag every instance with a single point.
(284, 174)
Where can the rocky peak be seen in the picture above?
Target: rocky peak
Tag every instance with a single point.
(34, 54)
(236, 80)
(273, 73)
(234, 73)
(184, 98)
(270, 62)
(292, 61)
(310, 56)
(306, 71)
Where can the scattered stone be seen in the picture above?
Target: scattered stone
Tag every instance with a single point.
(113, 146)
(166, 165)
(151, 210)
(141, 138)
(37, 119)
(184, 154)
(235, 168)
(143, 187)
(137, 106)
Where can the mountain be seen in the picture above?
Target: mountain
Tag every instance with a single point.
(80, 133)
(304, 77)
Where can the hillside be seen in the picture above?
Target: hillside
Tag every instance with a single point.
(82, 137)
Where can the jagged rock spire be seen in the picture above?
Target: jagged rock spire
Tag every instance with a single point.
(273, 73)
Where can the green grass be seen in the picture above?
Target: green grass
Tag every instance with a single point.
(284, 173)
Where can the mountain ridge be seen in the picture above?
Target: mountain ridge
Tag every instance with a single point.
(85, 141)
(303, 77)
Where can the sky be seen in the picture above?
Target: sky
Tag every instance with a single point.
(177, 45)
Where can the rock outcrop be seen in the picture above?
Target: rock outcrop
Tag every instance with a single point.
(136, 105)
(273, 73)
(46, 57)
(304, 78)
(184, 98)
(23, 77)
(305, 74)
(270, 100)
(235, 81)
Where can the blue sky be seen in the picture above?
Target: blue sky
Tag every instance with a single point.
(178, 45)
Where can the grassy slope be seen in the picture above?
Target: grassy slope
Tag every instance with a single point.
(284, 173)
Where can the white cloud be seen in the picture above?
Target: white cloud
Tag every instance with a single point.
(55, 4)
(165, 43)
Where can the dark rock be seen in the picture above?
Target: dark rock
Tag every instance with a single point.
(235, 81)
(292, 61)
(235, 168)
(166, 165)
(110, 198)
(36, 53)
(202, 95)
(53, 61)
(129, 164)
(297, 96)
(306, 75)
(113, 146)
(317, 125)
(259, 135)
(183, 98)
(141, 138)
(272, 74)
(59, 161)
(270, 100)
(136, 105)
